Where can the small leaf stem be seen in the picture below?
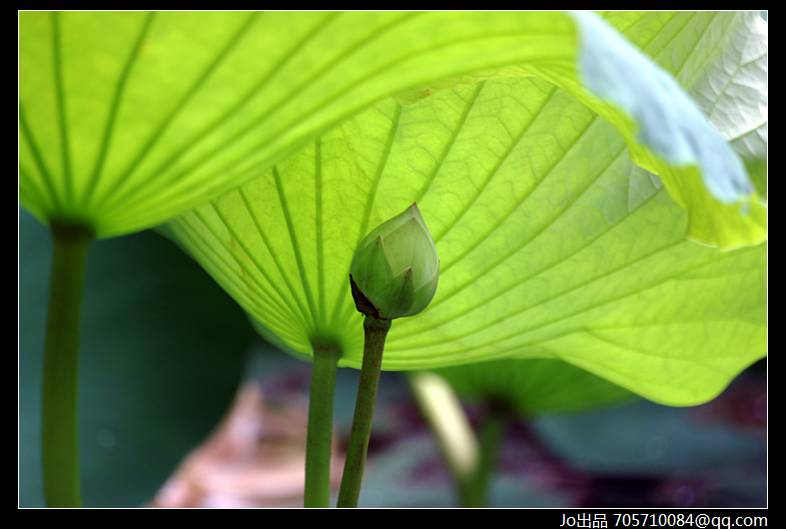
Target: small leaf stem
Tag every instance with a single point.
(470, 458)
(320, 427)
(375, 332)
(474, 492)
(59, 439)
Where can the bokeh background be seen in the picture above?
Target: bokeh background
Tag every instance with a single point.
(181, 404)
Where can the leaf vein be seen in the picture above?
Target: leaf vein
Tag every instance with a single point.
(115, 106)
(295, 247)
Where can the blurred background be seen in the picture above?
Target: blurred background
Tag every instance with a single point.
(182, 405)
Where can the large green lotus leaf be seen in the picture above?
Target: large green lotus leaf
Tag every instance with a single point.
(552, 244)
(533, 387)
(129, 118)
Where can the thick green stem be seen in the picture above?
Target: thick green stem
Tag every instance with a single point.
(475, 491)
(320, 427)
(375, 333)
(60, 450)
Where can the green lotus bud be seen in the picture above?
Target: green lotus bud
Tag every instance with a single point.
(395, 269)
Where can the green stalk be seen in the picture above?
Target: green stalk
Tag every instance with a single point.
(475, 492)
(320, 427)
(456, 440)
(375, 332)
(470, 459)
(60, 450)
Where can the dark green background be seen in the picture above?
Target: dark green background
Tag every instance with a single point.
(162, 354)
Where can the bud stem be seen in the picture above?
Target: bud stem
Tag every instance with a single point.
(59, 446)
(320, 427)
(375, 332)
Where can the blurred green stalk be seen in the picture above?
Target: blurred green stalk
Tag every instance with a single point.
(470, 458)
(475, 490)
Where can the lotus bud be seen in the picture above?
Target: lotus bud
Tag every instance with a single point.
(395, 269)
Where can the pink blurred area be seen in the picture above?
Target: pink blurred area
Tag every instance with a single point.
(255, 458)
